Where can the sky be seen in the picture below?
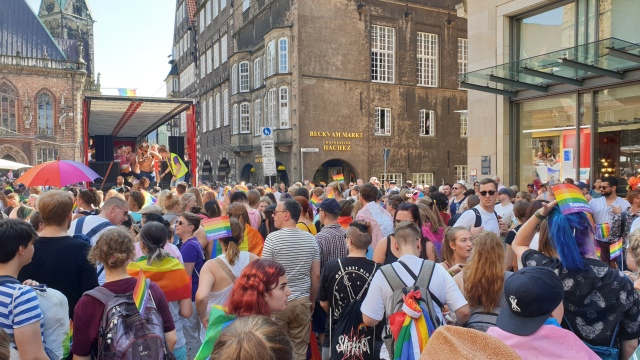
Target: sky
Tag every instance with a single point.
(132, 39)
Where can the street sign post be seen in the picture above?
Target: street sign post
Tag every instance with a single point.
(269, 166)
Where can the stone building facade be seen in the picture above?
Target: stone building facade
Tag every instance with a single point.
(41, 89)
(338, 81)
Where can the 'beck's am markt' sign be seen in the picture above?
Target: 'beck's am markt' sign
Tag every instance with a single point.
(336, 145)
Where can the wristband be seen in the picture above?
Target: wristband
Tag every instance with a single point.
(540, 217)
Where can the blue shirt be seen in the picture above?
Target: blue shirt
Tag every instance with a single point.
(192, 253)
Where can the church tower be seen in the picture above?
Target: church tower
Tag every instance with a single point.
(70, 23)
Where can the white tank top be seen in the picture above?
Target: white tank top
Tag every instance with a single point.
(220, 297)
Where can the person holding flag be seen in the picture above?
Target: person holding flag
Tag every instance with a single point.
(175, 165)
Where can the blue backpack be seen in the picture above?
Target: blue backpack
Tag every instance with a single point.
(87, 237)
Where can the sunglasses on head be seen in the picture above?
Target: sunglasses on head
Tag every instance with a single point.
(490, 192)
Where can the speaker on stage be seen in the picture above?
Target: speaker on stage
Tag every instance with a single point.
(104, 147)
(176, 145)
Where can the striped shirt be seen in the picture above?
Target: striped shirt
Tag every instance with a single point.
(603, 213)
(19, 306)
(295, 250)
(331, 241)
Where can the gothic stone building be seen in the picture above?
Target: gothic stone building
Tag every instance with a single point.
(42, 80)
(337, 80)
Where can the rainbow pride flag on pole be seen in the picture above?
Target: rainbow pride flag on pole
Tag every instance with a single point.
(315, 200)
(570, 199)
(169, 274)
(411, 328)
(127, 92)
(604, 230)
(218, 321)
(339, 177)
(615, 249)
(141, 292)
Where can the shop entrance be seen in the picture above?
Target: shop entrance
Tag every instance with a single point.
(330, 168)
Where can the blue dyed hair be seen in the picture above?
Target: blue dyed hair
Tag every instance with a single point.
(572, 236)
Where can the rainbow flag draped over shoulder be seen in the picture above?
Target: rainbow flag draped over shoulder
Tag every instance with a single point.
(168, 273)
(141, 292)
(127, 92)
(570, 199)
(339, 177)
(148, 198)
(615, 249)
(218, 321)
(411, 328)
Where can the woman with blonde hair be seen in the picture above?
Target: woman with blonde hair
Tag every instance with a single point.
(196, 193)
(482, 281)
(334, 190)
(253, 337)
(218, 275)
(187, 201)
(456, 249)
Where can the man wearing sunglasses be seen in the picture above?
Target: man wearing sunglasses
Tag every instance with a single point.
(604, 208)
(483, 215)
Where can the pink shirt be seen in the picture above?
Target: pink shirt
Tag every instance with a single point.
(549, 342)
(254, 218)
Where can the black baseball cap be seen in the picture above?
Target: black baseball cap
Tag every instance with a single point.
(330, 206)
(532, 294)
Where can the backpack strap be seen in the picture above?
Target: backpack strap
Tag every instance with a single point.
(97, 229)
(390, 274)
(79, 225)
(102, 294)
(351, 296)
(225, 268)
(478, 221)
(424, 277)
(375, 265)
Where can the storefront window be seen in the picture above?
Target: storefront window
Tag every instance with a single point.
(547, 136)
(548, 31)
(617, 151)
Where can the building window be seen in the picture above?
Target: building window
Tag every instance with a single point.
(176, 87)
(216, 55)
(209, 61)
(424, 179)
(235, 119)
(245, 5)
(257, 77)
(244, 76)
(183, 122)
(264, 69)
(46, 154)
(461, 172)
(244, 118)
(257, 117)
(203, 115)
(207, 13)
(397, 177)
(382, 121)
(271, 58)
(265, 112)
(202, 24)
(218, 115)
(7, 109)
(283, 55)
(215, 10)
(382, 53)
(223, 4)
(225, 107)
(463, 56)
(427, 123)
(223, 49)
(234, 79)
(464, 124)
(203, 65)
(427, 59)
(211, 112)
(45, 114)
(284, 107)
(272, 108)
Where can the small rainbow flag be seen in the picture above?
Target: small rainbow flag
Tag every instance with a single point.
(615, 249)
(322, 183)
(127, 92)
(339, 177)
(217, 228)
(226, 190)
(570, 199)
(411, 332)
(141, 292)
(603, 230)
(315, 200)
(242, 188)
(148, 198)
(218, 321)
(312, 185)
(598, 252)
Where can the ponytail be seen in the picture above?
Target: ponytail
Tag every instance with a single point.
(233, 242)
(154, 236)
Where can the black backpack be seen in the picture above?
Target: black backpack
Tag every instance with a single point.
(352, 339)
(477, 222)
(87, 237)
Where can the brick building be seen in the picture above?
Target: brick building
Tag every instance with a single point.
(42, 80)
(348, 78)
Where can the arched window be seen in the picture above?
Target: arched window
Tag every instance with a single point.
(45, 114)
(8, 122)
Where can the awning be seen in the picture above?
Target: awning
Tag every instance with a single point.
(132, 117)
(610, 58)
(12, 165)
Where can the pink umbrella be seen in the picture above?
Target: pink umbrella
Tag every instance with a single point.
(58, 173)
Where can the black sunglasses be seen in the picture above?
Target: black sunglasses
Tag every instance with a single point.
(490, 192)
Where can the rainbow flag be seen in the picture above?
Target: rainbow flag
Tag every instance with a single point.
(148, 198)
(615, 249)
(218, 321)
(127, 92)
(217, 228)
(598, 252)
(411, 328)
(226, 191)
(251, 242)
(242, 188)
(570, 199)
(312, 185)
(339, 177)
(315, 200)
(168, 273)
(322, 183)
(141, 292)
(603, 230)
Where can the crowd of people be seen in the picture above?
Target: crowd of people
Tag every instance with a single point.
(340, 271)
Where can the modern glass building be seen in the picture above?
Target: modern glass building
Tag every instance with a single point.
(556, 89)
